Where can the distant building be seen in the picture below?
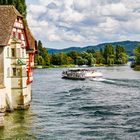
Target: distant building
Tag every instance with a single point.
(17, 49)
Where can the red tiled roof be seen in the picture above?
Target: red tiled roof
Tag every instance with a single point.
(8, 15)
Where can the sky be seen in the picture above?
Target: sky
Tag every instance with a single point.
(70, 23)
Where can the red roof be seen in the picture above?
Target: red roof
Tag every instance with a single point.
(8, 15)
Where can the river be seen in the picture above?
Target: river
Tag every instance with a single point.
(107, 109)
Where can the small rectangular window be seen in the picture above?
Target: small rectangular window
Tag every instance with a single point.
(8, 72)
(14, 34)
(22, 36)
(13, 52)
(14, 71)
(19, 72)
(8, 52)
(18, 52)
(19, 36)
(22, 53)
(24, 73)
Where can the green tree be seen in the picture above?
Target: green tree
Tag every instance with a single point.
(120, 57)
(90, 60)
(42, 57)
(41, 61)
(74, 55)
(109, 54)
(99, 57)
(55, 59)
(137, 54)
(90, 51)
(81, 61)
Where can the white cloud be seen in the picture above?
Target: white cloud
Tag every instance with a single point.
(84, 21)
(36, 9)
(118, 9)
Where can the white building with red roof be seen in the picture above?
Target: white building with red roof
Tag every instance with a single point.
(17, 49)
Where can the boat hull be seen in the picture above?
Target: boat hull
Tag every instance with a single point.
(72, 78)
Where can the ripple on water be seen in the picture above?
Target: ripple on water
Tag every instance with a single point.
(86, 110)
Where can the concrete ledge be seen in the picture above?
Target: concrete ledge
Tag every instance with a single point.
(22, 107)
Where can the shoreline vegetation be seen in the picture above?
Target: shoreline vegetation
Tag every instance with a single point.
(75, 66)
(136, 62)
(137, 68)
(109, 56)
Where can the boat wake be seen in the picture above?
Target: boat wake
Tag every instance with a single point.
(102, 80)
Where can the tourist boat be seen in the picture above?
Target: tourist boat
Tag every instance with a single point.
(80, 74)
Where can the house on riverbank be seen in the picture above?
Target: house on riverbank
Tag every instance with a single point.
(17, 49)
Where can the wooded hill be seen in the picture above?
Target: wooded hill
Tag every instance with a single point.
(128, 45)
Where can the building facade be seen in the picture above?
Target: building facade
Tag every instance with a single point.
(17, 49)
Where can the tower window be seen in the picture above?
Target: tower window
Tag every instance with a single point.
(22, 53)
(18, 52)
(14, 71)
(8, 72)
(13, 52)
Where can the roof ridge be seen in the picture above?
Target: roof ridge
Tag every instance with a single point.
(7, 5)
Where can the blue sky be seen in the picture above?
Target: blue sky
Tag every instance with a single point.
(67, 23)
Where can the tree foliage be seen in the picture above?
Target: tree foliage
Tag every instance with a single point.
(137, 54)
(42, 57)
(110, 55)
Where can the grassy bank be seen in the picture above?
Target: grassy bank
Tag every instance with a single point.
(137, 68)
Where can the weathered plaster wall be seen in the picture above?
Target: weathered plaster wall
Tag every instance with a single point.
(2, 99)
(1, 67)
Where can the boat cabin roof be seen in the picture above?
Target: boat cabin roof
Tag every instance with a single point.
(80, 69)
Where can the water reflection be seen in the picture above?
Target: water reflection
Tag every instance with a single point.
(17, 125)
